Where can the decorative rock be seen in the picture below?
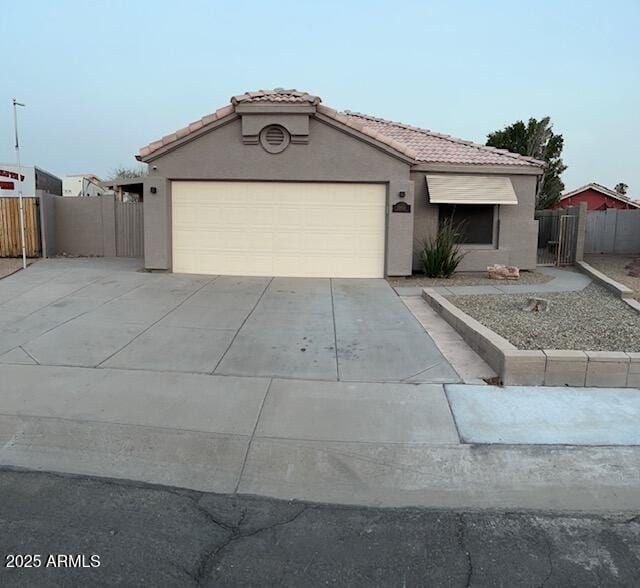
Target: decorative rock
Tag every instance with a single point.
(633, 268)
(503, 272)
(536, 305)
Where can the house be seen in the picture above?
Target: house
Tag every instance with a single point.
(276, 183)
(32, 178)
(597, 197)
(75, 185)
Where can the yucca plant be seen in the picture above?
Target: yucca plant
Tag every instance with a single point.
(441, 255)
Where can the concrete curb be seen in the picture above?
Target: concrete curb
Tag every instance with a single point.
(625, 293)
(549, 367)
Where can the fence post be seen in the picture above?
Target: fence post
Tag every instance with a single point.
(581, 230)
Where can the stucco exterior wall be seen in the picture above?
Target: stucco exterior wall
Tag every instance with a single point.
(517, 230)
(157, 223)
(331, 155)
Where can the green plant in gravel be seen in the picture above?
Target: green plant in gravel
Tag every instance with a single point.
(441, 255)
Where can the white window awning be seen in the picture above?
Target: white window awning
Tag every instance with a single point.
(470, 189)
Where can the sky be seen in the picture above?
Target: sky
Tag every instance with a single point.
(102, 79)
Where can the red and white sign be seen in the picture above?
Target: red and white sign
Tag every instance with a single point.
(11, 182)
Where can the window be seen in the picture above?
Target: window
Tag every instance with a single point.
(474, 221)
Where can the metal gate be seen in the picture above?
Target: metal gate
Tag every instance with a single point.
(557, 234)
(129, 229)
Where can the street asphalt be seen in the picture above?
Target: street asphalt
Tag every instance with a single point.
(157, 536)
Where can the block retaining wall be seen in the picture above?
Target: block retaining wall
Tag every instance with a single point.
(550, 367)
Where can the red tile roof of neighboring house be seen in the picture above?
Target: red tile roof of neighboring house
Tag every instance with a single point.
(418, 144)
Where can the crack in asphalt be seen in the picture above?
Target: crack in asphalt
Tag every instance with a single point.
(211, 557)
(550, 561)
(461, 537)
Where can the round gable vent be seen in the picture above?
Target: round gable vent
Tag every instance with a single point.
(274, 138)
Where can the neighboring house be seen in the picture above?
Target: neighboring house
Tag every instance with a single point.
(33, 178)
(278, 184)
(597, 197)
(78, 185)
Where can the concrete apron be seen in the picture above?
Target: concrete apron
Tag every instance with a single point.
(371, 444)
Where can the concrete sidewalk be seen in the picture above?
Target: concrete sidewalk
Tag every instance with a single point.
(353, 443)
(563, 281)
(534, 415)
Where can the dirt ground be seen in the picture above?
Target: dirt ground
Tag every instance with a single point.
(8, 265)
(614, 266)
(466, 279)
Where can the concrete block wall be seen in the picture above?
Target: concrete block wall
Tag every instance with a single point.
(78, 226)
(565, 367)
(625, 293)
(47, 223)
(549, 367)
(85, 226)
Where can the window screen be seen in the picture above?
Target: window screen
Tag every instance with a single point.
(474, 221)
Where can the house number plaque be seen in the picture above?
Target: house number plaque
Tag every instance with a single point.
(401, 206)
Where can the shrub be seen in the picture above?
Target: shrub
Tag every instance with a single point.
(440, 256)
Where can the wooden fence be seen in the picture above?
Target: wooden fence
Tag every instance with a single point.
(10, 244)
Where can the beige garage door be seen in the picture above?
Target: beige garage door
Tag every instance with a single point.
(278, 229)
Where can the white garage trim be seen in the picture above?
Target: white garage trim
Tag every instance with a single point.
(295, 229)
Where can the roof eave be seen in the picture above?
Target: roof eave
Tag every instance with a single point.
(491, 168)
(164, 149)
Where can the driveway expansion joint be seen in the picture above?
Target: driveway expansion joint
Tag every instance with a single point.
(154, 323)
(335, 330)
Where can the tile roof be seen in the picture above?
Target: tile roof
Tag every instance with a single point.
(191, 128)
(277, 96)
(438, 148)
(418, 144)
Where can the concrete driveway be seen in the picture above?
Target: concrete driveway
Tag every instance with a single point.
(106, 313)
(231, 385)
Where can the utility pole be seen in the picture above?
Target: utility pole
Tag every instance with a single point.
(20, 183)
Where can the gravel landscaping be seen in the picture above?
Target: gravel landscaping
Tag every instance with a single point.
(466, 279)
(592, 319)
(614, 266)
